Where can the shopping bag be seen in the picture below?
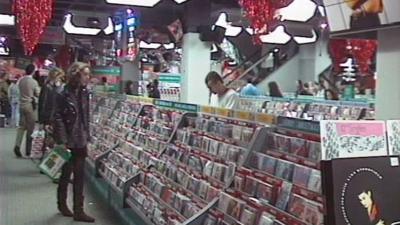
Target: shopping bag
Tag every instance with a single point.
(52, 163)
(38, 138)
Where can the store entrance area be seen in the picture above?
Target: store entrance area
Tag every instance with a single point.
(29, 198)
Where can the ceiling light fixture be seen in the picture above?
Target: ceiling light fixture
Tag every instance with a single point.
(277, 36)
(144, 44)
(144, 3)
(7, 20)
(72, 29)
(110, 27)
(299, 10)
(231, 31)
(180, 1)
(169, 46)
(306, 40)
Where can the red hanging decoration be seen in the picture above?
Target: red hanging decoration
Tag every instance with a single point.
(32, 18)
(363, 51)
(261, 14)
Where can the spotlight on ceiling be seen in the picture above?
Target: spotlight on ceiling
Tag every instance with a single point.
(72, 29)
(144, 44)
(299, 10)
(7, 20)
(277, 36)
(144, 3)
(110, 27)
(306, 40)
(231, 31)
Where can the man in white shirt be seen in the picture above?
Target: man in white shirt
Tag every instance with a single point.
(222, 96)
(28, 89)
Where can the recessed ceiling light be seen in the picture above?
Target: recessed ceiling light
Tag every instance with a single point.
(231, 31)
(277, 36)
(72, 29)
(169, 46)
(7, 20)
(299, 10)
(110, 27)
(144, 3)
(306, 40)
(144, 44)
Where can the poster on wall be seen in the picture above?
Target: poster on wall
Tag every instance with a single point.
(344, 139)
(361, 14)
(393, 133)
(362, 191)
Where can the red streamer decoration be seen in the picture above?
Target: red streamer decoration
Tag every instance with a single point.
(32, 18)
(261, 14)
(363, 51)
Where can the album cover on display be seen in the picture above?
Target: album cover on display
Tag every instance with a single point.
(314, 183)
(362, 190)
(210, 220)
(297, 206)
(248, 216)
(284, 170)
(283, 195)
(282, 143)
(202, 192)
(238, 182)
(250, 186)
(269, 164)
(266, 193)
(314, 150)
(301, 175)
(266, 219)
(298, 147)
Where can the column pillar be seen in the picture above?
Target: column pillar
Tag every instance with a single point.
(196, 63)
(130, 72)
(388, 68)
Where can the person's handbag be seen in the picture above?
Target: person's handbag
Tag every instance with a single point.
(53, 162)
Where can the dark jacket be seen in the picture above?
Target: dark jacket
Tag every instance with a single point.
(68, 125)
(47, 101)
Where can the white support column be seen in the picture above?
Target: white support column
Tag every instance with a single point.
(388, 68)
(196, 61)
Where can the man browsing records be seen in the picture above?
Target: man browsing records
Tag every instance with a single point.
(221, 96)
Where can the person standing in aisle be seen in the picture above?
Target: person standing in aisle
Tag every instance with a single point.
(71, 129)
(221, 96)
(4, 102)
(274, 90)
(13, 95)
(28, 90)
(155, 92)
(250, 89)
(47, 101)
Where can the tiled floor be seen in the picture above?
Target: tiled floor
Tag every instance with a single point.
(29, 198)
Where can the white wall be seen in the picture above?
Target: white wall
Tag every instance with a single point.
(311, 60)
(286, 77)
(388, 67)
(196, 61)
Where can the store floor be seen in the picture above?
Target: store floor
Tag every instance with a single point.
(29, 198)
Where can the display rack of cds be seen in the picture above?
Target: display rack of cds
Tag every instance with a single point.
(197, 165)
(174, 167)
(310, 109)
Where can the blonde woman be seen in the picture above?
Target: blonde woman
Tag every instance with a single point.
(71, 129)
(48, 95)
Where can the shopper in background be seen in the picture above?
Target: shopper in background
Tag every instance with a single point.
(28, 89)
(301, 89)
(47, 102)
(4, 102)
(71, 129)
(274, 90)
(105, 84)
(154, 91)
(221, 96)
(331, 95)
(13, 96)
(129, 87)
(250, 89)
